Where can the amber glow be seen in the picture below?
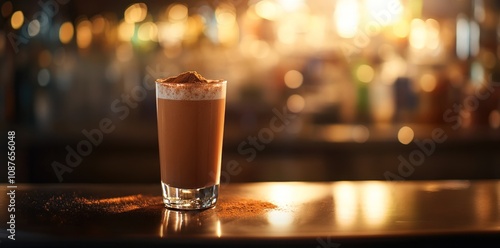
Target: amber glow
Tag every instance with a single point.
(126, 31)
(365, 73)
(136, 13)
(295, 103)
(428, 82)
(293, 79)
(98, 24)
(66, 32)
(84, 34)
(177, 12)
(17, 19)
(405, 135)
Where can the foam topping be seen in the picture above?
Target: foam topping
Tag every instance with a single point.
(190, 85)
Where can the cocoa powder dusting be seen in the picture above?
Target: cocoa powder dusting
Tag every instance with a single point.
(235, 207)
(120, 204)
(186, 77)
(73, 208)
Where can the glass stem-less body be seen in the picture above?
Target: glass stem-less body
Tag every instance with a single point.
(190, 133)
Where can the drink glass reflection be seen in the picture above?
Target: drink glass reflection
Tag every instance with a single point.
(189, 223)
(190, 131)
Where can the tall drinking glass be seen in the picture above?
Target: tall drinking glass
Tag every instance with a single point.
(190, 129)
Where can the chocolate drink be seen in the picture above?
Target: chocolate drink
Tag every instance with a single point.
(190, 116)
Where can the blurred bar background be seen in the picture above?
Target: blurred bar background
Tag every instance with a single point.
(364, 89)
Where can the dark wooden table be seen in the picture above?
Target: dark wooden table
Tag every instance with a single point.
(306, 214)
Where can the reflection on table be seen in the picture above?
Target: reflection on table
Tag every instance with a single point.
(344, 212)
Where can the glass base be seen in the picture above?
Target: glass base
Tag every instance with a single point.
(189, 199)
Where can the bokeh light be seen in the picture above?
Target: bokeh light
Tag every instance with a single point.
(148, 32)
(428, 82)
(84, 34)
(360, 133)
(405, 135)
(171, 33)
(227, 28)
(136, 13)
(17, 19)
(418, 33)
(346, 18)
(43, 77)
(33, 28)
(267, 9)
(177, 12)
(295, 103)
(365, 73)
(293, 79)
(98, 24)
(66, 32)
(126, 31)
(225, 15)
(462, 37)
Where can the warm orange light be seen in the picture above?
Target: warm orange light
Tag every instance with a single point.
(295, 103)
(126, 31)
(405, 135)
(428, 82)
(293, 79)
(84, 34)
(98, 24)
(227, 28)
(136, 13)
(66, 32)
(433, 29)
(17, 19)
(177, 12)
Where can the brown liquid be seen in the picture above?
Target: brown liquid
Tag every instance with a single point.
(190, 141)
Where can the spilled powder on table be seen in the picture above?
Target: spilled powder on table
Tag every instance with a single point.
(227, 208)
(236, 207)
(121, 204)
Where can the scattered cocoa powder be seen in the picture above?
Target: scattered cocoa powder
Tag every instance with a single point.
(120, 204)
(73, 208)
(236, 207)
(186, 77)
